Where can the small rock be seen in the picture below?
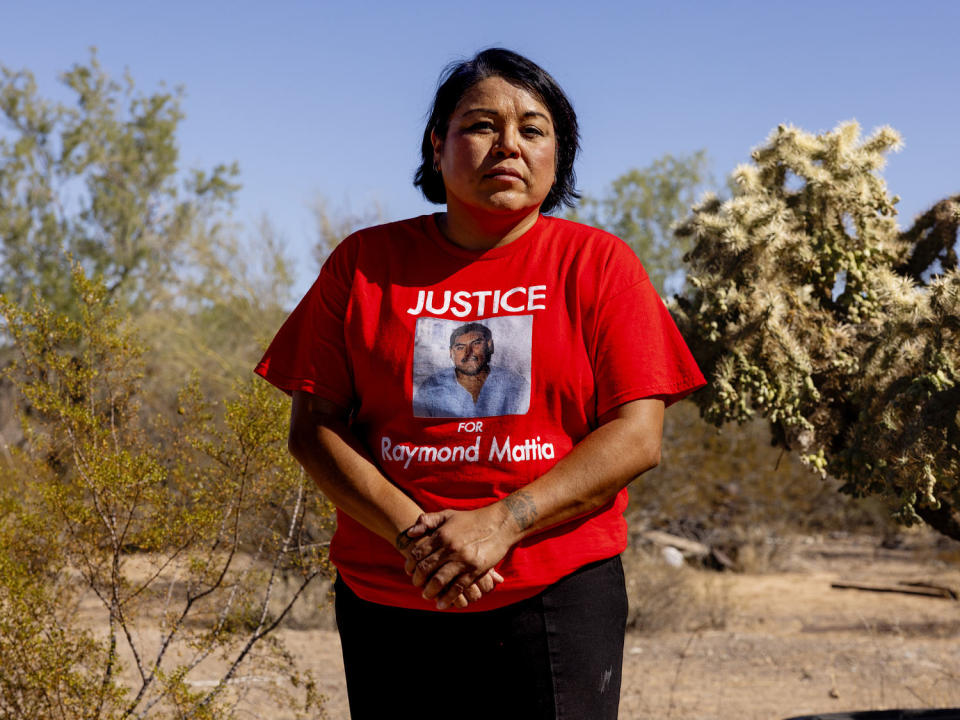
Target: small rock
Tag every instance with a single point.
(672, 556)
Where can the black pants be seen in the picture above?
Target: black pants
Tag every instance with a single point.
(557, 655)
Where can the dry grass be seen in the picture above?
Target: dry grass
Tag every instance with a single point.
(668, 599)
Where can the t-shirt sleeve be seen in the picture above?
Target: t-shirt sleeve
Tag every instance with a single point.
(639, 351)
(309, 351)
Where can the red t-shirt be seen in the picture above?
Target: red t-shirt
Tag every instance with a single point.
(564, 325)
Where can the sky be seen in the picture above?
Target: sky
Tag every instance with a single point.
(328, 99)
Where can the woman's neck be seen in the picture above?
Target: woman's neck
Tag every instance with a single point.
(483, 230)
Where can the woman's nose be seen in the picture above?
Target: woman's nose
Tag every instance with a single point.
(509, 144)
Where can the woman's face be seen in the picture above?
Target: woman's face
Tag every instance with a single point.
(499, 153)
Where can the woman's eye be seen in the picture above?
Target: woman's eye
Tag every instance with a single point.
(481, 126)
(532, 130)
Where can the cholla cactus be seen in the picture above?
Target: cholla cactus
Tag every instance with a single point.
(807, 305)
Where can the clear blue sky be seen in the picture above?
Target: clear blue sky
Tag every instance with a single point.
(329, 98)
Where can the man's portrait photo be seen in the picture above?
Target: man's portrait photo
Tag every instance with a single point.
(465, 380)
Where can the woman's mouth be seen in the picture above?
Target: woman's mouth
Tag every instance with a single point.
(503, 173)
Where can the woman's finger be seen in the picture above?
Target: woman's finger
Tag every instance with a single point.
(428, 522)
(448, 579)
(415, 531)
(459, 586)
(425, 524)
(473, 593)
(419, 550)
(485, 584)
(426, 571)
(422, 559)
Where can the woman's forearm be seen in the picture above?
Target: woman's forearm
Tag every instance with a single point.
(336, 461)
(591, 475)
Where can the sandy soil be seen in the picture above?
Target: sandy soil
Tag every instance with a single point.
(792, 645)
(769, 645)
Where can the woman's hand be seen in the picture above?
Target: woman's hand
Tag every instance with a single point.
(456, 550)
(484, 584)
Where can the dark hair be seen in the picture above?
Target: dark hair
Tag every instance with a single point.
(459, 77)
(470, 327)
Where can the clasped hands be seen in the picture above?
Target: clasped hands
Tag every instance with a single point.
(451, 554)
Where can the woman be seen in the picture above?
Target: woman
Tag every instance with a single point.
(474, 390)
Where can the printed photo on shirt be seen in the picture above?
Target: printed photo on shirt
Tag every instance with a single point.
(472, 369)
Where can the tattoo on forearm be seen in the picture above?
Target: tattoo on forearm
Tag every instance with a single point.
(403, 540)
(523, 509)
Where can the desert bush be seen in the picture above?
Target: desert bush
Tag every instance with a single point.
(191, 526)
(807, 306)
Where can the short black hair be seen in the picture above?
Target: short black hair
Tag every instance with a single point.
(459, 77)
(471, 327)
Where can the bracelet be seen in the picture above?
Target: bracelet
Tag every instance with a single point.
(403, 540)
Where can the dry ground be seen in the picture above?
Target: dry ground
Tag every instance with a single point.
(791, 645)
(766, 645)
